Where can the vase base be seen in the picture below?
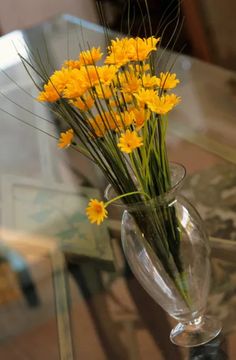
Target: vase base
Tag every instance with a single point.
(197, 332)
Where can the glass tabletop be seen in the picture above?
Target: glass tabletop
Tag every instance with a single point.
(66, 290)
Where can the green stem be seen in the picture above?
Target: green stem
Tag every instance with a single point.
(124, 195)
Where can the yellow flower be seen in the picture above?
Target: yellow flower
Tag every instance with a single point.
(172, 99)
(84, 103)
(121, 100)
(139, 68)
(140, 116)
(49, 94)
(103, 92)
(98, 126)
(140, 48)
(167, 81)
(117, 58)
(65, 139)
(76, 85)
(126, 98)
(124, 119)
(145, 96)
(129, 83)
(118, 52)
(80, 81)
(74, 89)
(124, 50)
(129, 141)
(89, 76)
(72, 64)
(60, 78)
(55, 86)
(91, 56)
(149, 81)
(107, 73)
(163, 104)
(110, 118)
(96, 211)
(102, 123)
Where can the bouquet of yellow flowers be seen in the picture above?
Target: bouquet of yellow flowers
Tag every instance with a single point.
(117, 116)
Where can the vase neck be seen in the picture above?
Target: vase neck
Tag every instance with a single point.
(177, 176)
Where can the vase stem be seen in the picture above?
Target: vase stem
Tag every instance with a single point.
(195, 332)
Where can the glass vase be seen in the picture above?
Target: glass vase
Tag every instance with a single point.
(167, 248)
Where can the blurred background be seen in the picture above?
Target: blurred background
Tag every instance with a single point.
(208, 30)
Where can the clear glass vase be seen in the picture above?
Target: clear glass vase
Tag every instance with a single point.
(167, 249)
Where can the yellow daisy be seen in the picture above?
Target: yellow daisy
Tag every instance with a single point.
(102, 123)
(140, 116)
(163, 104)
(149, 81)
(118, 52)
(89, 76)
(103, 92)
(72, 64)
(145, 95)
(123, 99)
(96, 211)
(139, 68)
(74, 89)
(124, 119)
(55, 86)
(98, 126)
(76, 85)
(65, 139)
(107, 73)
(140, 49)
(91, 56)
(167, 81)
(129, 83)
(110, 118)
(60, 78)
(84, 103)
(117, 58)
(49, 94)
(129, 141)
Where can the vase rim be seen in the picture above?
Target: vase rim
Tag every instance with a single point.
(160, 199)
